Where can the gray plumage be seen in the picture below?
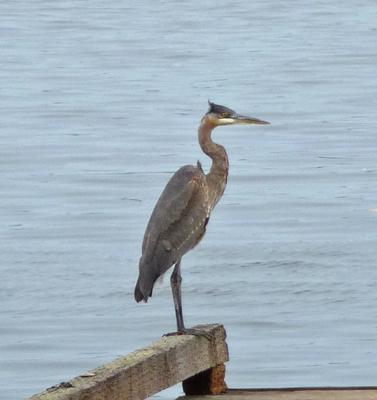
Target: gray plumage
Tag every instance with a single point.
(177, 225)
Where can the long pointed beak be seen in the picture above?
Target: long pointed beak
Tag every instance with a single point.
(241, 119)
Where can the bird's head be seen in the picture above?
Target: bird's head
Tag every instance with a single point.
(221, 115)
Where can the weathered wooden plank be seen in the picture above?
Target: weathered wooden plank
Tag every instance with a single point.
(147, 371)
(351, 393)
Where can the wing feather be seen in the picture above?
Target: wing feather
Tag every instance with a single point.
(176, 225)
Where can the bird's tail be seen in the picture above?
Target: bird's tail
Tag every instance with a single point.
(139, 296)
(145, 282)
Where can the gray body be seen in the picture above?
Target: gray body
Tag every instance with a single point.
(177, 224)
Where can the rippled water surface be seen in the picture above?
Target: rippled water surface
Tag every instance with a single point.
(100, 104)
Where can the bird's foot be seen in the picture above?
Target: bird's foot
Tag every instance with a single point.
(191, 331)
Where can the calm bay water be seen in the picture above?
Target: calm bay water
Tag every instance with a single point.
(100, 104)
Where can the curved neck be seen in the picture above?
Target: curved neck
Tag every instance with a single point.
(218, 174)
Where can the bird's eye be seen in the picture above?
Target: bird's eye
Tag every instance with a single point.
(224, 114)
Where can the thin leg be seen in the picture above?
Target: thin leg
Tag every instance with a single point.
(175, 282)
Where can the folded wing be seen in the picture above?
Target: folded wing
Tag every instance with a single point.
(177, 224)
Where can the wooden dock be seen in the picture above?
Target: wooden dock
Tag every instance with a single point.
(197, 362)
(328, 393)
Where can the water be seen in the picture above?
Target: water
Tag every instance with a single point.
(100, 105)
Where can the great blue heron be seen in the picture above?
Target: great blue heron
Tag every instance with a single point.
(179, 219)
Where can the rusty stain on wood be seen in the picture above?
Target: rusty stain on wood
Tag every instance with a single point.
(211, 381)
